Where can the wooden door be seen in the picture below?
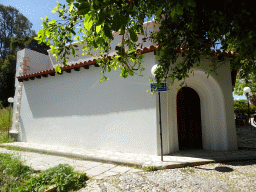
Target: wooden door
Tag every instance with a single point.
(189, 119)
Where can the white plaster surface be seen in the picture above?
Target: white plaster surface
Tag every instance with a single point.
(215, 93)
(76, 110)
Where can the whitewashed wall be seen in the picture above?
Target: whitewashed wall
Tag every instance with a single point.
(76, 110)
(217, 110)
(37, 61)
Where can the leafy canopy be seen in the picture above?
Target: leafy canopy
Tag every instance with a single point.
(193, 25)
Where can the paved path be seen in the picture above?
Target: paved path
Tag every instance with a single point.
(92, 165)
(96, 170)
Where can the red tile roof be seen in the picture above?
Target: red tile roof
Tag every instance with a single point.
(93, 62)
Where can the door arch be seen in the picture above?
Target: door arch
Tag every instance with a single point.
(189, 119)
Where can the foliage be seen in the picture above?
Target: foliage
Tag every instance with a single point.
(192, 25)
(242, 106)
(248, 81)
(62, 175)
(15, 33)
(8, 68)
(12, 172)
(12, 24)
(29, 43)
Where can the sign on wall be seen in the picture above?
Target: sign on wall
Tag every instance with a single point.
(162, 88)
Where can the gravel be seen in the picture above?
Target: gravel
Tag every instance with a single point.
(233, 176)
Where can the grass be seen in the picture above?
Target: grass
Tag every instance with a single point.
(12, 172)
(150, 168)
(4, 124)
(187, 168)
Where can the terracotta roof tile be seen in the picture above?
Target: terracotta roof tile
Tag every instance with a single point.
(92, 62)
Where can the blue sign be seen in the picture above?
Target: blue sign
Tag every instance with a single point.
(162, 88)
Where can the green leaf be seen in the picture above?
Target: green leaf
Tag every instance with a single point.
(102, 17)
(250, 34)
(57, 69)
(131, 72)
(98, 28)
(179, 9)
(88, 22)
(77, 38)
(73, 51)
(48, 42)
(107, 31)
(133, 35)
(116, 22)
(173, 13)
(98, 40)
(52, 22)
(159, 11)
(70, 7)
(191, 3)
(53, 11)
(84, 8)
(70, 1)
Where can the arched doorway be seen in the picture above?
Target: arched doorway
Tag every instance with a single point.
(189, 119)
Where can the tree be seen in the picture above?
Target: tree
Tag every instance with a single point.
(15, 34)
(12, 24)
(248, 81)
(200, 24)
(8, 67)
(242, 107)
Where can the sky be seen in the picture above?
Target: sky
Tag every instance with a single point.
(36, 9)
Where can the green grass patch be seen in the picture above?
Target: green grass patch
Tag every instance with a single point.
(150, 168)
(15, 148)
(4, 125)
(187, 168)
(12, 172)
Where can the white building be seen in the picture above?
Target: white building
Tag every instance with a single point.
(74, 109)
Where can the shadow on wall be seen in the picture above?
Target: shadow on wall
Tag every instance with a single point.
(81, 94)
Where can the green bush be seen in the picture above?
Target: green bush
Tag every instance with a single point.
(12, 172)
(242, 105)
(61, 175)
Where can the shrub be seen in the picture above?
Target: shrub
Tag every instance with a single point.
(61, 175)
(243, 107)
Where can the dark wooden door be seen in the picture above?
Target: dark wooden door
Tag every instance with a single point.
(189, 119)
